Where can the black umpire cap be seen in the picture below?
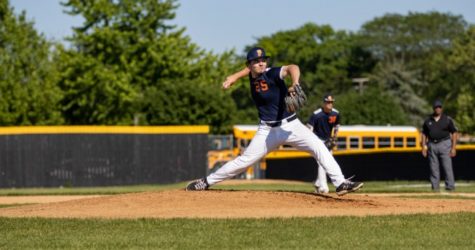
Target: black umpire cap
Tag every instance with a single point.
(437, 104)
(256, 53)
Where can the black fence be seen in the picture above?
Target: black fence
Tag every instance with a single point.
(37, 159)
(377, 166)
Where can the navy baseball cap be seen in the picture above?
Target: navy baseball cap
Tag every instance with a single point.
(255, 53)
(328, 98)
(436, 104)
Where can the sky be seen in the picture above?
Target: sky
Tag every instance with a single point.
(220, 25)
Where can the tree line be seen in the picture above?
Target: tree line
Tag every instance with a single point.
(127, 64)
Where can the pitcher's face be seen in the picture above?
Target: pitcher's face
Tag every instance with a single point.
(258, 66)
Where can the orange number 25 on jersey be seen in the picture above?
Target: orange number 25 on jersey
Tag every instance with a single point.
(261, 85)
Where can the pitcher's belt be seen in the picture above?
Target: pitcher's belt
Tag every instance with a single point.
(281, 122)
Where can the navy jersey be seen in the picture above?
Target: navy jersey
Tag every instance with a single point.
(323, 123)
(268, 92)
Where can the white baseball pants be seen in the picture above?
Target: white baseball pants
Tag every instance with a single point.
(268, 138)
(321, 181)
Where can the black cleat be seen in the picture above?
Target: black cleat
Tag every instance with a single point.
(197, 185)
(348, 187)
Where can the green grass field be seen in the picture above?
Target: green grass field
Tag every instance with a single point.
(419, 231)
(447, 231)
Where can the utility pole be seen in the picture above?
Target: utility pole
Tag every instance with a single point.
(360, 83)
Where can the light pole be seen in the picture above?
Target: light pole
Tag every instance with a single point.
(360, 83)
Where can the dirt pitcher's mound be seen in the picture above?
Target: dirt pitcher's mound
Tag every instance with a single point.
(235, 204)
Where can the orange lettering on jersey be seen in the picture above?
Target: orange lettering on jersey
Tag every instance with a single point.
(332, 119)
(264, 86)
(261, 85)
(256, 86)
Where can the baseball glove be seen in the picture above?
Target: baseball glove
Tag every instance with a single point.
(330, 143)
(295, 98)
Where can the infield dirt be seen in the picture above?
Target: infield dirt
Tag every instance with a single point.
(232, 204)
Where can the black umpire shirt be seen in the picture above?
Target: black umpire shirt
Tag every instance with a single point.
(439, 130)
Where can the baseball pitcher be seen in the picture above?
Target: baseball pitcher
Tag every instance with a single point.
(278, 125)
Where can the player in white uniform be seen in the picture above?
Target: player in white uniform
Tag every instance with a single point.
(324, 123)
(277, 126)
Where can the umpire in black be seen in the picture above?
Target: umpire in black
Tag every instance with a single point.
(439, 138)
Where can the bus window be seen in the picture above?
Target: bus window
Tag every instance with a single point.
(384, 142)
(398, 142)
(368, 142)
(341, 143)
(410, 142)
(354, 142)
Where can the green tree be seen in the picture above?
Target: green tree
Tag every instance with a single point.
(409, 48)
(95, 93)
(399, 83)
(206, 106)
(412, 37)
(124, 53)
(28, 94)
(455, 81)
(372, 107)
